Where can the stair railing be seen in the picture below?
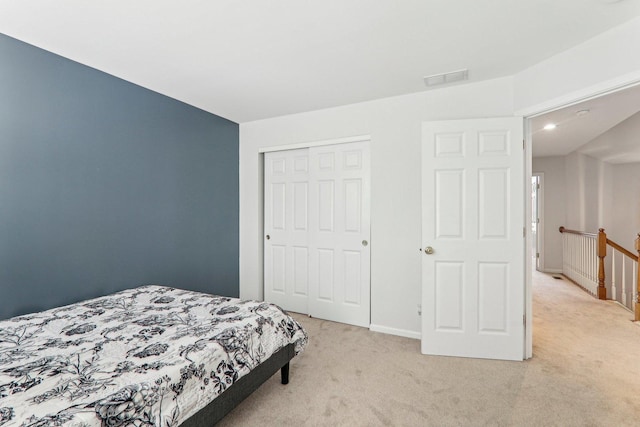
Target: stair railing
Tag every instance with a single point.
(580, 252)
(584, 259)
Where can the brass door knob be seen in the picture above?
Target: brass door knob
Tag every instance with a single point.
(428, 250)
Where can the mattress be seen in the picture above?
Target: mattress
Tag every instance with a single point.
(150, 356)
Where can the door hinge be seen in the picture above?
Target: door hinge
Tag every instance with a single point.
(524, 319)
(537, 254)
(523, 144)
(524, 231)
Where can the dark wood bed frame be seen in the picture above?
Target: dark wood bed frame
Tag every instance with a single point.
(231, 397)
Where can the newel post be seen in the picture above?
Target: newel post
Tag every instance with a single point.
(602, 252)
(638, 280)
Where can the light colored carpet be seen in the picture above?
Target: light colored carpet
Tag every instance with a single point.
(585, 372)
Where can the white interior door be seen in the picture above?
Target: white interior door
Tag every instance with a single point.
(317, 230)
(286, 219)
(473, 271)
(339, 285)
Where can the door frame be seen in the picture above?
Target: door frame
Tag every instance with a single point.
(294, 146)
(590, 92)
(540, 224)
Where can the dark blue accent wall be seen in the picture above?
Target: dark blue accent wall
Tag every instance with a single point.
(105, 185)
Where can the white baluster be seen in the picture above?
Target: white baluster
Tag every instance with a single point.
(594, 257)
(581, 261)
(587, 261)
(613, 275)
(578, 245)
(584, 262)
(565, 255)
(570, 255)
(624, 281)
(596, 262)
(634, 291)
(570, 240)
(592, 263)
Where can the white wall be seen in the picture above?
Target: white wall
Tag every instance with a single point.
(602, 195)
(626, 203)
(589, 195)
(625, 184)
(604, 62)
(554, 213)
(584, 193)
(620, 144)
(394, 125)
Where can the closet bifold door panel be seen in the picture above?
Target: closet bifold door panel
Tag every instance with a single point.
(339, 208)
(317, 255)
(286, 225)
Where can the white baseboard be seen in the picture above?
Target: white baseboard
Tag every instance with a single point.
(552, 271)
(394, 331)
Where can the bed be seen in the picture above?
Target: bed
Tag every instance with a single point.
(150, 356)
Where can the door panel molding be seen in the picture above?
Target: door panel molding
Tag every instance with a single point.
(317, 217)
(473, 282)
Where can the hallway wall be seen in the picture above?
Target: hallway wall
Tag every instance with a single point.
(584, 193)
(555, 211)
(626, 202)
(589, 192)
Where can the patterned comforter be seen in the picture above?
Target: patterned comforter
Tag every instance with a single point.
(151, 356)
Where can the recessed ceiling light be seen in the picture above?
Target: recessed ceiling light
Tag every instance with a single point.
(582, 112)
(550, 126)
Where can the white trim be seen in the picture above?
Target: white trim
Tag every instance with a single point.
(393, 331)
(358, 138)
(528, 279)
(540, 224)
(604, 88)
(552, 270)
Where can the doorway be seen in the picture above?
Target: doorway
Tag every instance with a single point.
(548, 137)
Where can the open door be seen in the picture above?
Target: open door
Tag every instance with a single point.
(473, 266)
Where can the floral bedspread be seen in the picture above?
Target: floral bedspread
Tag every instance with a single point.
(150, 356)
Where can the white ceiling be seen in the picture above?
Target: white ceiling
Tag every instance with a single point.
(248, 60)
(581, 132)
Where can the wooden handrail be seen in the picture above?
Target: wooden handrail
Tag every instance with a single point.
(580, 233)
(621, 249)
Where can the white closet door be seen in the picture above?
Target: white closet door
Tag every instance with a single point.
(286, 219)
(339, 213)
(473, 243)
(317, 230)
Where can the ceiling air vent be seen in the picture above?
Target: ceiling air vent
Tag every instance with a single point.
(446, 78)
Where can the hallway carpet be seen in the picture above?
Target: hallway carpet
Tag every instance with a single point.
(585, 372)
